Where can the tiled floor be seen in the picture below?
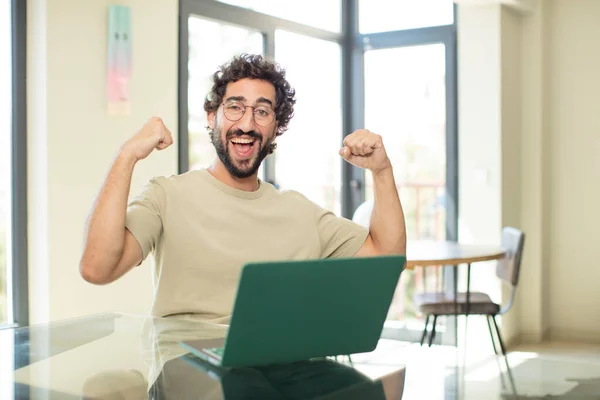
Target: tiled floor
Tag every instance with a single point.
(550, 371)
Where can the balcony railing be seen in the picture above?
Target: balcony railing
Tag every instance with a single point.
(424, 206)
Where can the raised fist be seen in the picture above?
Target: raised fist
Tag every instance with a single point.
(153, 135)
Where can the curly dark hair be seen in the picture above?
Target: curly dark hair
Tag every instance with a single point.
(254, 67)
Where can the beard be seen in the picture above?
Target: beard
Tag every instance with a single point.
(243, 168)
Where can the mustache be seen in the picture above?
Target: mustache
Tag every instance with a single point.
(239, 132)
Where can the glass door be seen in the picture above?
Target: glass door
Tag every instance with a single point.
(405, 102)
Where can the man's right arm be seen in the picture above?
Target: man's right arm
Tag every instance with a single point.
(110, 250)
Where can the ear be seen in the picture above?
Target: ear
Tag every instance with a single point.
(210, 117)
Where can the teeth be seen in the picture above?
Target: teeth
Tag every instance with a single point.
(242, 141)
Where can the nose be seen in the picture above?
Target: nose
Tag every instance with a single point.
(246, 123)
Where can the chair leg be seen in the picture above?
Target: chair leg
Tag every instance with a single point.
(510, 376)
(491, 333)
(350, 360)
(432, 335)
(425, 329)
(499, 336)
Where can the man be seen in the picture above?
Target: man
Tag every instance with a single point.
(202, 226)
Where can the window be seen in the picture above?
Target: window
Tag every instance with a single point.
(315, 131)
(324, 14)
(6, 80)
(409, 112)
(210, 45)
(393, 15)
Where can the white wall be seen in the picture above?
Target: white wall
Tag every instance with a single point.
(561, 126)
(533, 321)
(511, 108)
(574, 135)
(72, 141)
(548, 85)
(479, 119)
(489, 137)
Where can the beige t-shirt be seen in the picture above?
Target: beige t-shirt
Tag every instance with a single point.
(202, 231)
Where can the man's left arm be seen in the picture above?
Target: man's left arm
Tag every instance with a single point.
(387, 230)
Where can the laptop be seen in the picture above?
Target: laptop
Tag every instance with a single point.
(289, 311)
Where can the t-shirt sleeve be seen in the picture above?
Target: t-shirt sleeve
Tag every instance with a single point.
(340, 237)
(145, 214)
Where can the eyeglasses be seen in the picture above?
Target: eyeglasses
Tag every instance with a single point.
(234, 111)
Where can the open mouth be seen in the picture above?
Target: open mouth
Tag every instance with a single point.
(244, 146)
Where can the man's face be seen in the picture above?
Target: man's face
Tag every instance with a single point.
(242, 145)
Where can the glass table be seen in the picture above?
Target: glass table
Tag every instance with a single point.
(123, 356)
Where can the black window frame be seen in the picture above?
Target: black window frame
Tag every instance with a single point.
(18, 168)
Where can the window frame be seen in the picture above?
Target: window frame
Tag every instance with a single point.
(446, 35)
(18, 264)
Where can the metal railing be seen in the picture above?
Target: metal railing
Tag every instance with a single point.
(424, 207)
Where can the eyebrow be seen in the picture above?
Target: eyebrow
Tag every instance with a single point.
(242, 99)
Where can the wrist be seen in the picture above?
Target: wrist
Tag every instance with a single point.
(384, 171)
(126, 155)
